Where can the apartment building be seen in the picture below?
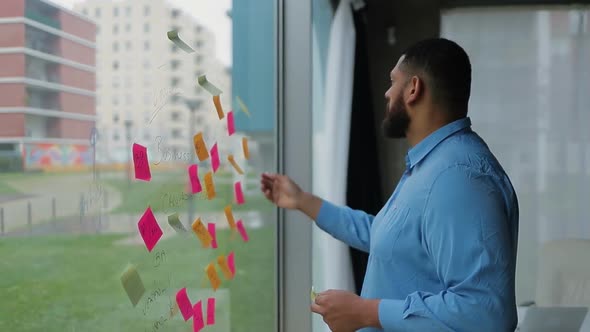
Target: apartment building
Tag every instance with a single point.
(47, 86)
(144, 80)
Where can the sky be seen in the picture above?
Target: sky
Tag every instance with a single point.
(216, 20)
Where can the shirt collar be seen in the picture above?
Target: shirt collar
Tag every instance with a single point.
(422, 149)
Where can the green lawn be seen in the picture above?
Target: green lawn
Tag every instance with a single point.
(71, 283)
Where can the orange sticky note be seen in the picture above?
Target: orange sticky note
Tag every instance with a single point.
(213, 277)
(223, 265)
(202, 233)
(232, 161)
(200, 147)
(210, 185)
(217, 103)
(245, 148)
(230, 217)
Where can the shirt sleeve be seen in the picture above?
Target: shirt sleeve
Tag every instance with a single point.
(350, 226)
(467, 235)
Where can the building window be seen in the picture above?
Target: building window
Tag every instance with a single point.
(146, 64)
(198, 29)
(176, 133)
(174, 64)
(146, 45)
(198, 59)
(115, 47)
(116, 11)
(128, 27)
(175, 13)
(116, 82)
(175, 116)
(115, 100)
(128, 11)
(146, 135)
(174, 99)
(128, 45)
(174, 81)
(146, 10)
(85, 12)
(115, 28)
(115, 65)
(174, 48)
(97, 12)
(116, 118)
(146, 27)
(116, 136)
(199, 44)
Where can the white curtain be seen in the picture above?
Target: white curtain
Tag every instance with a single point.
(331, 262)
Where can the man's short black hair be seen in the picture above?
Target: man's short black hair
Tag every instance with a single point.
(445, 68)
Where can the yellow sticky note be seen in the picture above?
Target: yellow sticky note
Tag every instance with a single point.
(245, 148)
(209, 185)
(232, 161)
(243, 106)
(230, 217)
(218, 107)
(313, 294)
(200, 147)
(213, 277)
(202, 233)
(224, 267)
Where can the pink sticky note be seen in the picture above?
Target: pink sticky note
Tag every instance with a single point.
(242, 230)
(211, 311)
(214, 158)
(198, 323)
(141, 163)
(193, 175)
(231, 263)
(184, 304)
(149, 229)
(238, 192)
(211, 227)
(231, 128)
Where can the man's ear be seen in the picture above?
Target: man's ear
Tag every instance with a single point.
(414, 89)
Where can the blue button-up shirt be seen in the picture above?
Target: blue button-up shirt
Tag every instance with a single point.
(443, 248)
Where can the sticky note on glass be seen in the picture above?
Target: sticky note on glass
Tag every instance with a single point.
(184, 304)
(140, 162)
(231, 126)
(231, 263)
(209, 185)
(174, 222)
(213, 277)
(230, 217)
(173, 36)
(202, 233)
(149, 229)
(132, 284)
(313, 294)
(233, 162)
(200, 147)
(211, 229)
(198, 323)
(242, 106)
(212, 89)
(211, 311)
(242, 230)
(223, 265)
(214, 158)
(193, 175)
(239, 195)
(218, 107)
(245, 148)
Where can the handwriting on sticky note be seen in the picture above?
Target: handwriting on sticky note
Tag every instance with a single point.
(198, 323)
(184, 304)
(223, 265)
(231, 263)
(242, 230)
(235, 165)
(132, 284)
(202, 233)
(218, 107)
(200, 147)
(174, 222)
(231, 126)
(239, 195)
(211, 311)
(212, 89)
(230, 217)
(193, 175)
(140, 162)
(209, 185)
(245, 148)
(173, 36)
(149, 229)
(242, 105)
(211, 228)
(214, 158)
(213, 277)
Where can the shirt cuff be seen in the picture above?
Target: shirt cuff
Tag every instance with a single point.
(391, 314)
(327, 216)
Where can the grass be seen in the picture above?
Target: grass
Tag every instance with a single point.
(71, 283)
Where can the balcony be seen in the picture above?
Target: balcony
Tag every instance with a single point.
(42, 18)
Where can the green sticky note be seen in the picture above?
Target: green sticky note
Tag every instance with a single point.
(132, 284)
(174, 221)
(173, 36)
(212, 89)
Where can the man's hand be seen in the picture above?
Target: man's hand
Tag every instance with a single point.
(346, 312)
(281, 190)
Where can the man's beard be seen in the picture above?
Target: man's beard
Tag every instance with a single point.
(396, 121)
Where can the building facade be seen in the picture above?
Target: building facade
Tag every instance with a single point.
(47, 86)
